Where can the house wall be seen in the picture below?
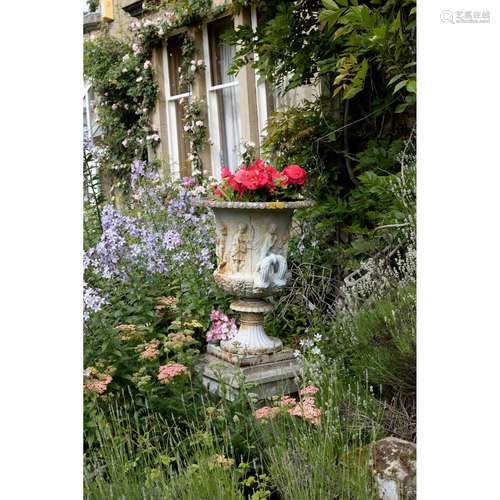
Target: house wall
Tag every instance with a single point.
(248, 94)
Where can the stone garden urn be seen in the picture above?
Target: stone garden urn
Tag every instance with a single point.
(251, 246)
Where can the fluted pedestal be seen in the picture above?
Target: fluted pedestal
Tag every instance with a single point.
(251, 337)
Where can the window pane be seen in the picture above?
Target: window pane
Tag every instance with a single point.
(229, 126)
(221, 55)
(183, 143)
(174, 51)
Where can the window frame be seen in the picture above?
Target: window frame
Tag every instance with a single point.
(260, 86)
(174, 149)
(213, 104)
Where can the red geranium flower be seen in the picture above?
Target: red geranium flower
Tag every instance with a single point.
(294, 175)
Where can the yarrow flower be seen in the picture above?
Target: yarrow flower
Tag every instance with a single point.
(168, 372)
(266, 412)
(310, 389)
(150, 351)
(96, 382)
(178, 340)
(165, 303)
(222, 327)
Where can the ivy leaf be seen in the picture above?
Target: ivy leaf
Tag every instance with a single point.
(400, 85)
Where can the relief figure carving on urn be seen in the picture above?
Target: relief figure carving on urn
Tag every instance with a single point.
(272, 267)
(221, 246)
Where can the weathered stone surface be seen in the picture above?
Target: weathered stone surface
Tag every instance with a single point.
(394, 462)
(249, 359)
(264, 375)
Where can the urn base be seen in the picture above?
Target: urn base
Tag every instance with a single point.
(263, 375)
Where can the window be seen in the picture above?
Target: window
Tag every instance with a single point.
(90, 127)
(272, 98)
(223, 98)
(175, 90)
(265, 94)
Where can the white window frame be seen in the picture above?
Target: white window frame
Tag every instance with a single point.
(213, 106)
(172, 135)
(260, 86)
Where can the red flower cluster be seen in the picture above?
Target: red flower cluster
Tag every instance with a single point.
(258, 176)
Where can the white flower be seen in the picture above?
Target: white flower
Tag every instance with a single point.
(210, 141)
(139, 79)
(124, 70)
(200, 62)
(199, 123)
(192, 67)
(187, 128)
(125, 57)
(147, 64)
(196, 172)
(125, 143)
(190, 157)
(192, 63)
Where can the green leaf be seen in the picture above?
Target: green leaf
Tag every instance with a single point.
(344, 3)
(394, 79)
(331, 17)
(413, 11)
(411, 86)
(396, 24)
(400, 107)
(352, 92)
(400, 85)
(330, 4)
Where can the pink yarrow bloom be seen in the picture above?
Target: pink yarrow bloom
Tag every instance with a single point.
(310, 389)
(170, 371)
(307, 410)
(266, 412)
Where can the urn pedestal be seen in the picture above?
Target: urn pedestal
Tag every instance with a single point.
(251, 245)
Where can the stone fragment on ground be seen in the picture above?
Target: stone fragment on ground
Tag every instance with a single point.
(394, 464)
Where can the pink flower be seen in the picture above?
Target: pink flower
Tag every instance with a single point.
(222, 327)
(287, 401)
(170, 371)
(310, 389)
(187, 181)
(151, 350)
(98, 382)
(114, 106)
(307, 410)
(266, 412)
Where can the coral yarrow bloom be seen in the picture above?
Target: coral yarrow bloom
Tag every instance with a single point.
(310, 389)
(170, 371)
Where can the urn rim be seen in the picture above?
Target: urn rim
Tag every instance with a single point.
(262, 205)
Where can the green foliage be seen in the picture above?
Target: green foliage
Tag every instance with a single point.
(127, 92)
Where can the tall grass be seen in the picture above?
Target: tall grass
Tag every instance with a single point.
(227, 454)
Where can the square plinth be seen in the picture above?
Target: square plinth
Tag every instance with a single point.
(264, 375)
